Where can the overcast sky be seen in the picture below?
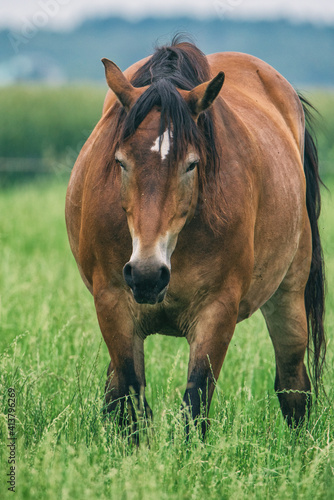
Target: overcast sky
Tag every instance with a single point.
(68, 13)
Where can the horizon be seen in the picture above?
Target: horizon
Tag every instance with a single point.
(67, 15)
(38, 52)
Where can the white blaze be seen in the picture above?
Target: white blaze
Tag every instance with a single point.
(164, 144)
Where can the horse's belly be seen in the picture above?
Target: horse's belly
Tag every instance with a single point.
(267, 277)
(258, 294)
(279, 227)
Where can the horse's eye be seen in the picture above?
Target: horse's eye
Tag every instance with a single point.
(192, 166)
(120, 163)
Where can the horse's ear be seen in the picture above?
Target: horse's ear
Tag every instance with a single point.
(120, 85)
(201, 97)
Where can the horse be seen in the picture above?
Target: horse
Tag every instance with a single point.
(194, 203)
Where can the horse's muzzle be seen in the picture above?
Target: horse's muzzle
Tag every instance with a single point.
(147, 280)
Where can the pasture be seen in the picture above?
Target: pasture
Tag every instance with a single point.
(53, 355)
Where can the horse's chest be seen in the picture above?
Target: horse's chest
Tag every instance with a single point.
(169, 318)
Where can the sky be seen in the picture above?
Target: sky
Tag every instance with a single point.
(65, 14)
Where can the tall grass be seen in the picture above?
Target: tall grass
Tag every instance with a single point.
(324, 128)
(52, 353)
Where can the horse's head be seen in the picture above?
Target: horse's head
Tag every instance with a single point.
(159, 154)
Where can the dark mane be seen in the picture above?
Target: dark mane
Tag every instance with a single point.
(181, 65)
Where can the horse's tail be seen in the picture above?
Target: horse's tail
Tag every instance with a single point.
(315, 287)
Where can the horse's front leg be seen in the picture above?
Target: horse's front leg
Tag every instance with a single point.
(208, 342)
(124, 390)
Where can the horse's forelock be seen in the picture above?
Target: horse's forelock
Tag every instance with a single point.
(175, 117)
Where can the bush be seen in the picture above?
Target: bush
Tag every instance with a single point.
(52, 124)
(43, 122)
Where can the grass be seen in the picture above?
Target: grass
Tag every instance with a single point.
(52, 353)
(324, 126)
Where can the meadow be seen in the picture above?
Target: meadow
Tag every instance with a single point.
(53, 356)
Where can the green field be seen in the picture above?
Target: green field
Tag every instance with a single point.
(53, 355)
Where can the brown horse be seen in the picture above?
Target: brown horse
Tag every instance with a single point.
(192, 205)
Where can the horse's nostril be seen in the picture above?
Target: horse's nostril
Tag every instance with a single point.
(164, 277)
(147, 280)
(127, 273)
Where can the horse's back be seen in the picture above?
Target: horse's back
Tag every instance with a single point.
(249, 76)
(259, 93)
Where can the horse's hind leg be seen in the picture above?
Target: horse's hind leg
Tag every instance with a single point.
(286, 320)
